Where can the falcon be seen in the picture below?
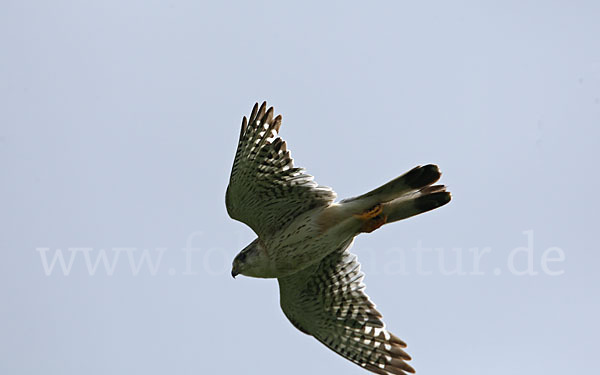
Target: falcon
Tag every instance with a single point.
(304, 238)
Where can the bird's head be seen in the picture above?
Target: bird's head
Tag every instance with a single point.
(250, 261)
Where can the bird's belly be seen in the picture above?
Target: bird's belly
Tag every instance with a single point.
(292, 258)
(304, 248)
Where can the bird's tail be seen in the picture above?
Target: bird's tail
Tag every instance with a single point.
(405, 196)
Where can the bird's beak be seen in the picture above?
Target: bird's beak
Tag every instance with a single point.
(234, 272)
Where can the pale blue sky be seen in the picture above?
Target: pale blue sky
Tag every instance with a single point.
(118, 126)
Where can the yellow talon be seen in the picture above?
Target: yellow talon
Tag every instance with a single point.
(372, 219)
(371, 213)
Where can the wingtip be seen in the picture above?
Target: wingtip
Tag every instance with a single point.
(277, 123)
(268, 118)
(254, 112)
(262, 109)
(244, 126)
(397, 351)
(396, 340)
(265, 115)
(398, 364)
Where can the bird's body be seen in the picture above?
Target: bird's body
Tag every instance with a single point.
(302, 243)
(304, 236)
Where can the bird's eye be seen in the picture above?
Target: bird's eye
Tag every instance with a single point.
(242, 256)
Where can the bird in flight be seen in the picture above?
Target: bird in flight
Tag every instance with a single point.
(304, 238)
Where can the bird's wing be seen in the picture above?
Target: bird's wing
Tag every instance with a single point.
(328, 302)
(265, 190)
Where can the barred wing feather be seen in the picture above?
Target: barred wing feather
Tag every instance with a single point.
(265, 190)
(328, 302)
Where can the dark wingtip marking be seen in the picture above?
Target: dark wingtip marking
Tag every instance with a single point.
(401, 365)
(431, 201)
(419, 177)
(269, 116)
(397, 352)
(253, 113)
(277, 123)
(244, 126)
(395, 340)
(262, 110)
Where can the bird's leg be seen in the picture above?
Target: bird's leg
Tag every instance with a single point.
(372, 218)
